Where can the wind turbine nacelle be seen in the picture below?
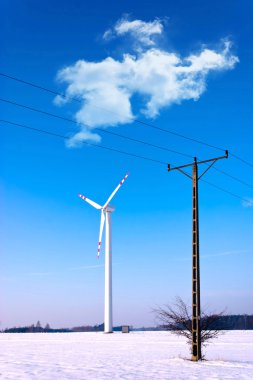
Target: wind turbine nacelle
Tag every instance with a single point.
(109, 208)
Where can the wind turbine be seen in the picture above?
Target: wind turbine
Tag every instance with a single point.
(106, 211)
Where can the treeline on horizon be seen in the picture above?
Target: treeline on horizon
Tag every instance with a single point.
(225, 322)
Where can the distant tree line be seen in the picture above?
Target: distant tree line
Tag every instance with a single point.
(224, 322)
(35, 329)
(227, 322)
(234, 322)
(94, 328)
(47, 329)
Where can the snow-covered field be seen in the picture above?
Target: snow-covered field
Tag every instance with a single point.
(138, 355)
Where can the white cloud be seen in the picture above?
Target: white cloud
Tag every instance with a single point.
(219, 254)
(83, 135)
(142, 31)
(248, 203)
(161, 78)
(87, 267)
(226, 253)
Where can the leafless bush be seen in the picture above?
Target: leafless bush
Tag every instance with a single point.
(177, 318)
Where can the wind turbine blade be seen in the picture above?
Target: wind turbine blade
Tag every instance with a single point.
(102, 222)
(115, 191)
(94, 204)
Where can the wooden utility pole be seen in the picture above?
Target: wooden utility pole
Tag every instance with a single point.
(196, 312)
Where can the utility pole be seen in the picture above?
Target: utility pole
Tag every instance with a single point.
(196, 313)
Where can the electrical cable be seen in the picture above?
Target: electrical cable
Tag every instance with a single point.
(241, 159)
(83, 142)
(98, 129)
(39, 130)
(228, 192)
(133, 119)
(118, 135)
(233, 177)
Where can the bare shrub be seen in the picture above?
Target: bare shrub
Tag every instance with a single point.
(177, 318)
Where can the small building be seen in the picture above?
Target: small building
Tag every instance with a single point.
(125, 329)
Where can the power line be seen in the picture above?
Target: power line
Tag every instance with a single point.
(241, 159)
(133, 119)
(39, 130)
(118, 135)
(36, 86)
(42, 131)
(98, 129)
(229, 192)
(233, 177)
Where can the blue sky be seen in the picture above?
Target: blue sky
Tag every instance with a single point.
(49, 270)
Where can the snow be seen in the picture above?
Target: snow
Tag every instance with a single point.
(138, 355)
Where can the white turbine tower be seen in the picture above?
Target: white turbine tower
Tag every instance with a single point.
(106, 211)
